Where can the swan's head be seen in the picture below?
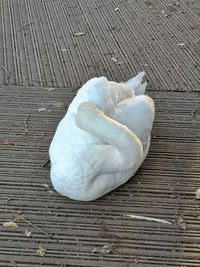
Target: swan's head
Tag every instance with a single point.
(98, 92)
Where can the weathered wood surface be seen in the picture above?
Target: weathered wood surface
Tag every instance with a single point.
(120, 38)
(41, 53)
(164, 186)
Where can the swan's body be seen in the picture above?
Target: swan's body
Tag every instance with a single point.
(103, 138)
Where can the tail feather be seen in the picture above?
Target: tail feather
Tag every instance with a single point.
(137, 85)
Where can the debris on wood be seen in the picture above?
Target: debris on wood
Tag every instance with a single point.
(19, 218)
(198, 194)
(37, 227)
(148, 2)
(66, 103)
(180, 222)
(79, 33)
(41, 251)
(9, 143)
(114, 59)
(147, 218)
(4, 68)
(106, 249)
(174, 192)
(165, 14)
(177, 4)
(120, 62)
(64, 50)
(25, 121)
(120, 256)
(58, 105)
(27, 233)
(195, 109)
(136, 259)
(45, 185)
(25, 25)
(41, 136)
(117, 9)
(14, 264)
(104, 233)
(50, 89)
(96, 65)
(31, 130)
(20, 212)
(13, 124)
(107, 235)
(10, 225)
(6, 201)
(41, 109)
(117, 61)
(181, 45)
(171, 8)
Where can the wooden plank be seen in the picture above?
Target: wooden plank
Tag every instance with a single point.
(163, 187)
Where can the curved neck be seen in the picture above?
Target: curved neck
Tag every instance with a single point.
(126, 147)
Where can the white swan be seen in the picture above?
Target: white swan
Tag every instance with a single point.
(103, 138)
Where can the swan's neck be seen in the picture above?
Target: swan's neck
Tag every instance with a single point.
(126, 147)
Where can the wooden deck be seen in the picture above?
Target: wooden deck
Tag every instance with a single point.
(43, 63)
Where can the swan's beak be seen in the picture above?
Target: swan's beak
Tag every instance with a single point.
(46, 163)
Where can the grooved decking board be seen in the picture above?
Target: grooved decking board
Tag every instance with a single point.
(120, 39)
(163, 187)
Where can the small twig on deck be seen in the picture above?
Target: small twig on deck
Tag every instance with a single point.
(5, 201)
(25, 121)
(119, 255)
(4, 68)
(41, 136)
(177, 212)
(8, 74)
(38, 228)
(25, 25)
(13, 263)
(195, 109)
(147, 218)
